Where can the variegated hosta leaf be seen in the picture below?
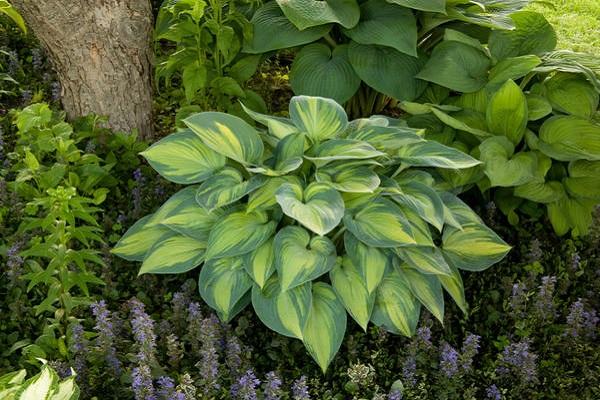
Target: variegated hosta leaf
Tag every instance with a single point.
(342, 149)
(434, 154)
(423, 200)
(349, 177)
(386, 138)
(428, 290)
(260, 263)
(473, 248)
(284, 312)
(380, 223)
(299, 258)
(239, 233)
(183, 196)
(182, 158)
(278, 126)
(326, 325)
(138, 239)
(227, 135)
(370, 262)
(319, 207)
(428, 260)
(223, 283)
(420, 227)
(263, 198)
(308, 13)
(173, 254)
(352, 291)
(396, 309)
(226, 187)
(40, 386)
(192, 220)
(454, 286)
(319, 117)
(456, 212)
(286, 158)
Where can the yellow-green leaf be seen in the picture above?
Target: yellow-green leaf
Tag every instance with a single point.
(370, 262)
(352, 291)
(173, 254)
(226, 187)
(396, 309)
(319, 117)
(260, 263)
(507, 112)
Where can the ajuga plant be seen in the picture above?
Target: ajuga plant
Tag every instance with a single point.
(45, 385)
(207, 38)
(313, 217)
(367, 53)
(527, 112)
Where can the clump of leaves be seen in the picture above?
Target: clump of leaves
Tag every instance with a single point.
(313, 217)
(44, 385)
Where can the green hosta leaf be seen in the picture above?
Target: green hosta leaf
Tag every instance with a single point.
(273, 31)
(568, 138)
(226, 187)
(264, 197)
(227, 135)
(182, 158)
(437, 6)
(319, 71)
(456, 212)
(352, 292)
(308, 13)
(278, 126)
(571, 214)
(504, 169)
(239, 233)
(387, 70)
(396, 309)
(299, 258)
(173, 254)
(572, 94)
(192, 220)
(353, 178)
(538, 107)
(319, 117)
(287, 156)
(342, 149)
(541, 192)
(533, 35)
(260, 263)
(507, 112)
(474, 248)
(584, 179)
(512, 68)
(380, 223)
(66, 390)
(454, 122)
(222, 284)
(419, 226)
(454, 286)
(40, 386)
(434, 154)
(384, 138)
(320, 208)
(386, 24)
(457, 66)
(457, 36)
(428, 260)
(326, 325)
(423, 200)
(138, 239)
(428, 290)
(284, 312)
(370, 262)
(7, 9)
(180, 198)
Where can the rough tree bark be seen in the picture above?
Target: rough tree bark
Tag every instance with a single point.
(102, 52)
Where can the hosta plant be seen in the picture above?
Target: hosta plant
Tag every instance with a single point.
(46, 385)
(312, 217)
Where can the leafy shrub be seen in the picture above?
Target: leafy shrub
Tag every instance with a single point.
(316, 194)
(45, 385)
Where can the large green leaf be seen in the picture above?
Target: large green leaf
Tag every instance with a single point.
(326, 325)
(454, 286)
(182, 158)
(40, 386)
(308, 13)
(387, 70)
(287, 156)
(507, 112)
(349, 177)
(319, 117)
(512, 68)
(462, 120)
(569, 138)
(299, 258)
(279, 127)
(352, 291)
(423, 200)
(396, 309)
(427, 289)
(381, 223)
(572, 94)
(457, 66)
(571, 214)
(264, 197)
(260, 263)
(284, 312)
(584, 179)
(428, 260)
(342, 149)
(319, 71)
(272, 30)
(227, 135)
(434, 154)
(541, 192)
(239, 233)
(370, 262)
(138, 239)
(437, 6)
(504, 169)
(386, 138)
(223, 283)
(192, 220)
(173, 254)
(226, 187)
(538, 107)
(319, 207)
(386, 24)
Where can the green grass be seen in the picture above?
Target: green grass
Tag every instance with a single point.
(577, 23)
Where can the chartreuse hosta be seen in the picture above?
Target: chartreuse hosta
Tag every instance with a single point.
(312, 217)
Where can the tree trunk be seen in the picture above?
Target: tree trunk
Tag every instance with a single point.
(102, 52)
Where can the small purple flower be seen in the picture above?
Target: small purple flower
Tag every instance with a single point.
(55, 91)
(166, 387)
(141, 383)
(194, 322)
(62, 368)
(395, 395)
(518, 358)
(424, 335)
(174, 350)
(106, 335)
(209, 358)
(272, 386)
(409, 370)
(449, 360)
(37, 59)
(493, 393)
(469, 350)
(575, 262)
(13, 62)
(300, 389)
(535, 250)
(26, 97)
(14, 261)
(136, 192)
(581, 323)
(143, 331)
(518, 299)
(233, 351)
(138, 176)
(544, 303)
(245, 387)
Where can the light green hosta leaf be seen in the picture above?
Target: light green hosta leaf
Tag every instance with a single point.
(319, 71)
(568, 138)
(428, 260)
(386, 24)
(342, 149)
(287, 156)
(326, 325)
(308, 13)
(138, 239)
(264, 197)
(538, 107)
(177, 200)
(370, 262)
(457, 66)
(227, 135)
(533, 35)
(396, 309)
(352, 291)
(387, 70)
(7, 9)
(571, 214)
(380, 223)
(454, 286)
(182, 158)
(434, 154)
(572, 94)
(584, 179)
(173, 254)
(353, 178)
(273, 31)
(456, 123)
(222, 284)
(319, 207)
(437, 6)
(66, 390)
(541, 192)
(226, 187)
(504, 169)
(386, 139)
(299, 258)
(40, 386)
(507, 112)
(284, 312)
(428, 290)
(260, 263)
(192, 220)
(239, 233)
(423, 200)
(319, 117)
(474, 248)
(419, 226)
(278, 126)
(512, 68)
